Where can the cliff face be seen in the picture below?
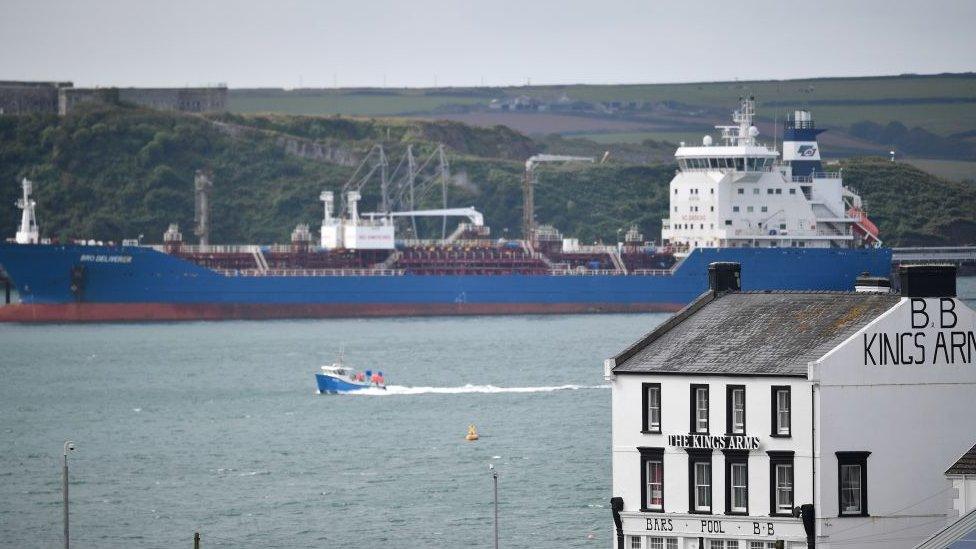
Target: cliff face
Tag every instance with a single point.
(113, 173)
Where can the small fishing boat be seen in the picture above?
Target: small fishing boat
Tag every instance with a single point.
(337, 378)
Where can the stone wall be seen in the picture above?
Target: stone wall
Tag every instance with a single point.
(163, 99)
(30, 97)
(63, 97)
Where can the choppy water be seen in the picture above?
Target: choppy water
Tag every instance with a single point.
(216, 428)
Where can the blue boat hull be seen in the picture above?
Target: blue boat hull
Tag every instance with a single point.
(329, 384)
(135, 283)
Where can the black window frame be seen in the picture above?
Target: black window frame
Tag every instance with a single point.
(735, 457)
(698, 455)
(646, 413)
(774, 411)
(729, 420)
(650, 454)
(694, 409)
(853, 458)
(780, 458)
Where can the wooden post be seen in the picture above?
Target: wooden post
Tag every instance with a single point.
(196, 540)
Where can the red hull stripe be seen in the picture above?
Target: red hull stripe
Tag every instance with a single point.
(116, 312)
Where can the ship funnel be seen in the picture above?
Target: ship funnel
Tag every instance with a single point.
(800, 147)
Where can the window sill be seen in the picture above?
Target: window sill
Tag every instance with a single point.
(737, 513)
(742, 434)
(692, 512)
(777, 435)
(646, 432)
(781, 515)
(647, 510)
(853, 515)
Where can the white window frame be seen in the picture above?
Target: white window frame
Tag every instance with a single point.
(703, 487)
(701, 409)
(742, 488)
(651, 484)
(848, 487)
(739, 413)
(784, 411)
(784, 485)
(654, 408)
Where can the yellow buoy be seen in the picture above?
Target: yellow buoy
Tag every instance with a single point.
(472, 433)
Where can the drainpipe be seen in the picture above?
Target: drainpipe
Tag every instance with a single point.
(616, 506)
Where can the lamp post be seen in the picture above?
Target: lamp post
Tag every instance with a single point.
(68, 447)
(494, 478)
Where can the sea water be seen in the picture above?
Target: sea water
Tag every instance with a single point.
(216, 428)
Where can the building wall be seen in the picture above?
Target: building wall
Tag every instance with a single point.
(915, 419)
(963, 495)
(164, 99)
(30, 97)
(627, 413)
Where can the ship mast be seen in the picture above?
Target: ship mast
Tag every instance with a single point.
(28, 232)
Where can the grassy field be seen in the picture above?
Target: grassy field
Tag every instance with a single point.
(726, 93)
(943, 104)
(639, 137)
(329, 103)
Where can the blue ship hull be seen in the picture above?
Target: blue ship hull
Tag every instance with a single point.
(98, 283)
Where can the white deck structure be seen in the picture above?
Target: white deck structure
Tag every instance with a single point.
(739, 194)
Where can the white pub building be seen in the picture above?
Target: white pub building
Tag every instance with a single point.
(806, 418)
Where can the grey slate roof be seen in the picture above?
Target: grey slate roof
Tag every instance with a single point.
(752, 333)
(966, 464)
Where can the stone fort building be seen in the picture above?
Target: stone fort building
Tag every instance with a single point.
(62, 97)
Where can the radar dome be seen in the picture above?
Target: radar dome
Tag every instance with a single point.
(707, 141)
(753, 131)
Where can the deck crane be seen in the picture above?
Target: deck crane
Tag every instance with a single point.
(473, 215)
(528, 185)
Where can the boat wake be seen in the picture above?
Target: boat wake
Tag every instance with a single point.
(469, 388)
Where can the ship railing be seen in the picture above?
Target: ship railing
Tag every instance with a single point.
(652, 272)
(218, 248)
(437, 243)
(586, 272)
(816, 175)
(310, 272)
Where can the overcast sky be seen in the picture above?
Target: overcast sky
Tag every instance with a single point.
(287, 43)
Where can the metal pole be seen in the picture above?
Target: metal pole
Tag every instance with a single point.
(196, 540)
(68, 446)
(494, 478)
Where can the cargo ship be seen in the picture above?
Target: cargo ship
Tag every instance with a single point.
(788, 222)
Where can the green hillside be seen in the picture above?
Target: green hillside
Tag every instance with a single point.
(113, 173)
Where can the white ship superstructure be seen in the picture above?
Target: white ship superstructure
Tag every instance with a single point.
(740, 194)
